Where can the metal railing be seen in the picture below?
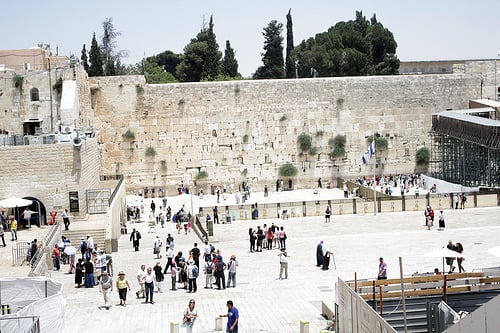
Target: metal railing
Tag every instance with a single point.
(21, 253)
(28, 324)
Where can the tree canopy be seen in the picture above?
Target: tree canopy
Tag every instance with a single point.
(229, 62)
(289, 61)
(95, 57)
(356, 47)
(272, 57)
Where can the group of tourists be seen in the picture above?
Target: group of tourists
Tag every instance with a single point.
(268, 238)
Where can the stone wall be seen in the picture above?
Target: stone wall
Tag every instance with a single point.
(49, 172)
(244, 130)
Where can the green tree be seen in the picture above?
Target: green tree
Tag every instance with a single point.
(152, 72)
(84, 59)
(167, 60)
(289, 61)
(202, 58)
(288, 170)
(229, 62)
(272, 57)
(423, 156)
(356, 47)
(95, 58)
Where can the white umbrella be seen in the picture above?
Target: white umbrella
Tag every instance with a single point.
(443, 253)
(495, 251)
(70, 250)
(14, 202)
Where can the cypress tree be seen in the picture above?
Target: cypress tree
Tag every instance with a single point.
(84, 59)
(95, 68)
(289, 62)
(229, 63)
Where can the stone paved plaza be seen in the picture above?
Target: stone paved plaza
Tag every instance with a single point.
(267, 304)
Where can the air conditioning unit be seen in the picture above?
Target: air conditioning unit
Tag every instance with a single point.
(63, 138)
(38, 131)
(35, 140)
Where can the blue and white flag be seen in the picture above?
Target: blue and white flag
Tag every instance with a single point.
(368, 153)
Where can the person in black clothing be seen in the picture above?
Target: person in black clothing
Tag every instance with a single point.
(135, 237)
(220, 278)
(450, 260)
(216, 215)
(153, 207)
(260, 238)
(195, 252)
(459, 248)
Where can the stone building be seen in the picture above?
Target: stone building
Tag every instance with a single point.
(158, 136)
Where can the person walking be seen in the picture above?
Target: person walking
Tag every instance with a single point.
(328, 213)
(173, 274)
(66, 221)
(231, 268)
(326, 257)
(209, 273)
(157, 246)
(159, 276)
(319, 254)
(441, 220)
(122, 286)
(192, 274)
(233, 317)
(282, 237)
(189, 316)
(106, 287)
(459, 248)
(141, 273)
(13, 228)
(2, 233)
(450, 260)
(57, 257)
(135, 237)
(382, 270)
(149, 285)
(283, 263)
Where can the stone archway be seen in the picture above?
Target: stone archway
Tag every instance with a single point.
(40, 218)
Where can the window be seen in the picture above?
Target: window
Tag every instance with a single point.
(35, 96)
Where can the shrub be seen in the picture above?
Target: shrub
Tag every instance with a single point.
(423, 156)
(305, 142)
(288, 170)
(381, 143)
(150, 152)
(338, 146)
(129, 135)
(201, 175)
(18, 81)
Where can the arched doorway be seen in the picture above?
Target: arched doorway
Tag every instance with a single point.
(39, 217)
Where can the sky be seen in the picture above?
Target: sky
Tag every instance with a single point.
(424, 30)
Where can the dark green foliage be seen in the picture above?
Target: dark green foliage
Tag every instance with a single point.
(110, 54)
(58, 86)
(288, 170)
(150, 151)
(166, 60)
(17, 80)
(84, 59)
(129, 135)
(358, 47)
(96, 65)
(229, 62)
(289, 61)
(152, 72)
(305, 142)
(381, 143)
(337, 145)
(272, 57)
(201, 175)
(202, 58)
(423, 156)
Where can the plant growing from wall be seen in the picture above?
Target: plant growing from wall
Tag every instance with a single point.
(18, 81)
(319, 133)
(150, 152)
(381, 143)
(201, 175)
(129, 135)
(423, 156)
(288, 170)
(139, 89)
(58, 86)
(182, 102)
(244, 173)
(337, 145)
(163, 165)
(283, 118)
(245, 138)
(305, 142)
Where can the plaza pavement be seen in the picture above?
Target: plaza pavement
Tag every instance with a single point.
(267, 304)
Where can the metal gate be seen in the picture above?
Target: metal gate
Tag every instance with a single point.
(98, 200)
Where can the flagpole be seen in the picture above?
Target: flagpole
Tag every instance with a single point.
(374, 180)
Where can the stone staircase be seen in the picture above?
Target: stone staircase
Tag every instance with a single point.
(98, 234)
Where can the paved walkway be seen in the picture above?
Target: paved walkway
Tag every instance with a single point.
(267, 304)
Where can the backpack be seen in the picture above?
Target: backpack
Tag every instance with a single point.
(212, 248)
(210, 268)
(219, 266)
(196, 272)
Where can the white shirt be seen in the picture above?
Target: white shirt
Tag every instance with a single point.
(90, 243)
(141, 275)
(208, 249)
(232, 265)
(169, 253)
(149, 277)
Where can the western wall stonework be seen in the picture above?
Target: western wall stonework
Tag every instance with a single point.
(245, 130)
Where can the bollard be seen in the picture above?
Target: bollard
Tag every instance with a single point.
(304, 326)
(174, 327)
(218, 323)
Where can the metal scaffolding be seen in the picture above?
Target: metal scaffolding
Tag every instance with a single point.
(466, 147)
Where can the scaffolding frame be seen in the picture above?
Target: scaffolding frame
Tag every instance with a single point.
(465, 149)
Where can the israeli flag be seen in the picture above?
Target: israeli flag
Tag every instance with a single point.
(368, 153)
